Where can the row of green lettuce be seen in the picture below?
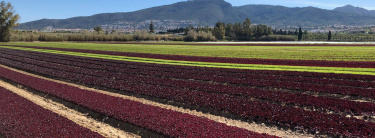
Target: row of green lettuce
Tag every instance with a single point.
(312, 52)
(339, 70)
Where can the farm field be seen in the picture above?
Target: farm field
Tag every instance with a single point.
(203, 90)
(326, 52)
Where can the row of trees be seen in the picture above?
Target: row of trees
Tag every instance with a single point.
(339, 37)
(244, 31)
(192, 35)
(240, 31)
(139, 35)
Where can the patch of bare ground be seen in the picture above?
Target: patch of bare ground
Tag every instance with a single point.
(251, 126)
(75, 116)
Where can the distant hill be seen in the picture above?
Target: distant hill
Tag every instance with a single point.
(208, 12)
(355, 10)
(307, 16)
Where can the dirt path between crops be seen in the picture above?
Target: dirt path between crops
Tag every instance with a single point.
(260, 128)
(77, 117)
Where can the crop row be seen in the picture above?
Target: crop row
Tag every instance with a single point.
(322, 103)
(236, 72)
(209, 71)
(293, 118)
(225, 60)
(20, 117)
(205, 87)
(99, 65)
(324, 86)
(167, 122)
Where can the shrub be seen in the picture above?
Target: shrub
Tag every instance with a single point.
(192, 35)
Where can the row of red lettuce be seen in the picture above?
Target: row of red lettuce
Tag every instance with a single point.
(260, 111)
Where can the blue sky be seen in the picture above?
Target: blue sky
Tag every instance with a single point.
(31, 10)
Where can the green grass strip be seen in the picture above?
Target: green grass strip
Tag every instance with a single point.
(339, 70)
(320, 53)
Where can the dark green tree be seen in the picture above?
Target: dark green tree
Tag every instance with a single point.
(247, 30)
(300, 34)
(261, 30)
(329, 35)
(229, 32)
(219, 31)
(152, 27)
(8, 20)
(237, 27)
(208, 29)
(229, 29)
(98, 29)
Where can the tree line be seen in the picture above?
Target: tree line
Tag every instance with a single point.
(238, 31)
(139, 35)
(241, 31)
(244, 31)
(339, 37)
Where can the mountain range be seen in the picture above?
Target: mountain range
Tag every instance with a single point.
(208, 12)
(355, 10)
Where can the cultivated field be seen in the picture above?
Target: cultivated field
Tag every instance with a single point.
(187, 90)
